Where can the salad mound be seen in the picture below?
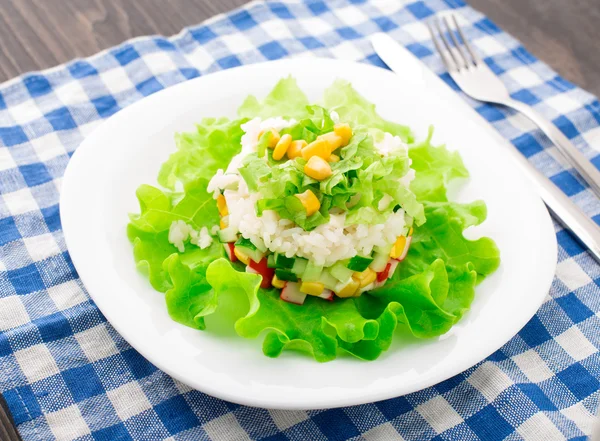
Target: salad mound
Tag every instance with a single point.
(324, 225)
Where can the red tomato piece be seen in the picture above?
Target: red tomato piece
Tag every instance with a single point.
(229, 249)
(384, 274)
(263, 269)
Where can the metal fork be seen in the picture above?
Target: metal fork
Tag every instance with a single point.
(478, 81)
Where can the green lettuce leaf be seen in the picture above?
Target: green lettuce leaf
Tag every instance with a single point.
(356, 110)
(197, 208)
(286, 100)
(149, 230)
(200, 154)
(435, 167)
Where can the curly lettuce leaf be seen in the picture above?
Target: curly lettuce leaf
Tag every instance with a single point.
(190, 297)
(286, 100)
(356, 110)
(426, 297)
(435, 167)
(313, 329)
(150, 250)
(429, 293)
(196, 208)
(201, 153)
(443, 239)
(149, 230)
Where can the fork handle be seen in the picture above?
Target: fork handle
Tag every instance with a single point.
(585, 168)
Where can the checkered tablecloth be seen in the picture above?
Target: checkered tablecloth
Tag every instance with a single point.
(66, 374)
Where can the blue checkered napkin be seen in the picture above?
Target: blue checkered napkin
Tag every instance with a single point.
(66, 374)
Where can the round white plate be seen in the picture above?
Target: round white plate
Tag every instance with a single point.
(128, 149)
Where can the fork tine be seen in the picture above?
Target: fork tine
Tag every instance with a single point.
(476, 59)
(449, 66)
(464, 58)
(446, 43)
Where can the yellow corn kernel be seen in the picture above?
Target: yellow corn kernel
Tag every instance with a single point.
(334, 158)
(241, 256)
(274, 137)
(310, 202)
(335, 141)
(317, 168)
(312, 288)
(343, 131)
(222, 224)
(398, 247)
(277, 283)
(319, 147)
(349, 290)
(222, 205)
(365, 278)
(295, 149)
(410, 232)
(282, 146)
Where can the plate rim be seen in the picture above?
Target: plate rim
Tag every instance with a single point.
(66, 206)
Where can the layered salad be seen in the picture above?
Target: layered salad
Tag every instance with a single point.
(323, 224)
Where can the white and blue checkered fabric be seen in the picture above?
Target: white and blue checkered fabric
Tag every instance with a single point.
(67, 375)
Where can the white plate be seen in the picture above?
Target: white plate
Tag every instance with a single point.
(127, 150)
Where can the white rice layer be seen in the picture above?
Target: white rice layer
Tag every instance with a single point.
(180, 232)
(325, 245)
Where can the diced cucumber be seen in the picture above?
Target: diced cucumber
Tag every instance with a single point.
(312, 273)
(271, 261)
(227, 235)
(383, 250)
(287, 275)
(281, 261)
(299, 266)
(359, 263)
(380, 261)
(328, 280)
(249, 249)
(248, 244)
(341, 272)
(262, 247)
(242, 242)
(255, 255)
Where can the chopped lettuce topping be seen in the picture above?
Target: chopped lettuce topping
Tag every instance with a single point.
(359, 180)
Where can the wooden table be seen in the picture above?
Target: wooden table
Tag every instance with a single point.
(37, 34)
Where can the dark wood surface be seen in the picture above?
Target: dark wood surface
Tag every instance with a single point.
(8, 431)
(563, 33)
(37, 34)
